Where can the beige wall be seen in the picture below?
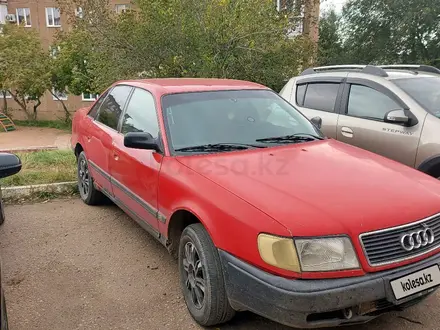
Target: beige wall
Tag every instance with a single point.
(49, 108)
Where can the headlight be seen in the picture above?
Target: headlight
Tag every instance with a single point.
(326, 254)
(308, 255)
(279, 252)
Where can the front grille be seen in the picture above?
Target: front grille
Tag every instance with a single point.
(383, 247)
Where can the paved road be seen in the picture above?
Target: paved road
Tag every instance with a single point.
(70, 266)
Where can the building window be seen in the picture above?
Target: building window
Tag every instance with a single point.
(121, 8)
(53, 17)
(60, 96)
(24, 17)
(54, 51)
(284, 4)
(3, 13)
(90, 97)
(79, 12)
(8, 95)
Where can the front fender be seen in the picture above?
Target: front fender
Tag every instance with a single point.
(232, 223)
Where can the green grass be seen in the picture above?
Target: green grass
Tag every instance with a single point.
(67, 126)
(43, 167)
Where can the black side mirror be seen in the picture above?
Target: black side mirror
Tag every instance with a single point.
(9, 165)
(141, 140)
(317, 121)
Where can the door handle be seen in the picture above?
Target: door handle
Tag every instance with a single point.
(116, 156)
(88, 139)
(347, 132)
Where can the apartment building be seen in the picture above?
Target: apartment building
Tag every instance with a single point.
(46, 18)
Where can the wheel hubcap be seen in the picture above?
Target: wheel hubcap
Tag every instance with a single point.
(83, 178)
(194, 275)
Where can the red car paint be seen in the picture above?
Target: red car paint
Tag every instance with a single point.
(309, 189)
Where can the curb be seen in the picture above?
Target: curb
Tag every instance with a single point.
(50, 188)
(29, 149)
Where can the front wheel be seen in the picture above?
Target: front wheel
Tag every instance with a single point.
(201, 278)
(4, 313)
(89, 194)
(2, 210)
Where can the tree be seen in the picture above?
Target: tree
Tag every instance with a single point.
(69, 58)
(330, 48)
(384, 31)
(24, 68)
(243, 39)
(4, 102)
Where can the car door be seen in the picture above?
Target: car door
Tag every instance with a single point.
(319, 98)
(135, 172)
(361, 122)
(100, 135)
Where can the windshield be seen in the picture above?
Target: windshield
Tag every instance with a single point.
(232, 117)
(426, 91)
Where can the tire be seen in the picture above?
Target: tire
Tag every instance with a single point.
(89, 194)
(2, 211)
(435, 172)
(4, 316)
(199, 265)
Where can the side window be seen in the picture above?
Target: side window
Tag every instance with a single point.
(141, 114)
(366, 102)
(321, 96)
(113, 106)
(300, 93)
(95, 108)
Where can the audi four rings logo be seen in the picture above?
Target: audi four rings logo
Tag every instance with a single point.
(417, 239)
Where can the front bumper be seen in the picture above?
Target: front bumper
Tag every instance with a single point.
(316, 303)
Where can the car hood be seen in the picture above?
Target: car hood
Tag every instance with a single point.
(323, 187)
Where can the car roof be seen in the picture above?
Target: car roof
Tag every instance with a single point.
(400, 74)
(182, 85)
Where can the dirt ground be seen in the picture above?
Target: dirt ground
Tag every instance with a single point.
(29, 137)
(70, 266)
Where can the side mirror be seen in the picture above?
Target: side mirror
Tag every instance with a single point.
(9, 165)
(317, 121)
(397, 117)
(141, 140)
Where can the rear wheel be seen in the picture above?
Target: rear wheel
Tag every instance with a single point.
(89, 194)
(201, 278)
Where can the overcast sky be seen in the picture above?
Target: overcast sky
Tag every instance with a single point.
(325, 4)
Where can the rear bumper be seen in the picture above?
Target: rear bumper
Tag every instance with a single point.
(316, 303)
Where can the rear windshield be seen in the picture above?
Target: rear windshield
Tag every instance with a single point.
(426, 91)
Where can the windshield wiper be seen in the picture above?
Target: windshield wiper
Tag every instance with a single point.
(291, 138)
(219, 147)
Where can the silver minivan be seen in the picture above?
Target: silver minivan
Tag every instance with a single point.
(391, 110)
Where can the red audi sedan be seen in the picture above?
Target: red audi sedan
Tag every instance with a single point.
(262, 211)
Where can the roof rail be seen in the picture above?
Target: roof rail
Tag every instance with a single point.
(369, 69)
(339, 67)
(412, 67)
